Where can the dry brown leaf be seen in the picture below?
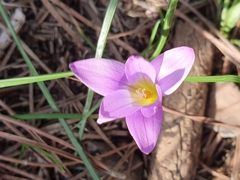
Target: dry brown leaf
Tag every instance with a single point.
(224, 105)
(17, 20)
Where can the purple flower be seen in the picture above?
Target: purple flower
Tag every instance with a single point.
(134, 90)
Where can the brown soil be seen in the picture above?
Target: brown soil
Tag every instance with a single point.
(51, 34)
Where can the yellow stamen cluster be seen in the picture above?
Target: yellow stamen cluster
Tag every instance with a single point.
(143, 92)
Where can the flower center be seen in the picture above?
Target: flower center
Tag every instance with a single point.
(143, 92)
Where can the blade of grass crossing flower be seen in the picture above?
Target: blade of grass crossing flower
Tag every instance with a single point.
(52, 116)
(225, 78)
(46, 77)
(166, 28)
(46, 116)
(33, 79)
(105, 28)
(99, 53)
(49, 98)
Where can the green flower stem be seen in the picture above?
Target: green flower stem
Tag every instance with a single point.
(49, 98)
(166, 28)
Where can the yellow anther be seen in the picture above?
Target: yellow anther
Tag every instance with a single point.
(144, 92)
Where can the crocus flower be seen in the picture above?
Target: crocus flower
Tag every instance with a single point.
(134, 90)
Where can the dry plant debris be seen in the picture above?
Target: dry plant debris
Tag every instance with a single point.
(49, 31)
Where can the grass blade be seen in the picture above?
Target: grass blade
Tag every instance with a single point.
(166, 28)
(105, 28)
(48, 155)
(33, 79)
(99, 53)
(49, 98)
(222, 78)
(47, 77)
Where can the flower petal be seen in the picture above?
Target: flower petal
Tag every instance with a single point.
(136, 67)
(173, 67)
(145, 131)
(101, 75)
(150, 110)
(117, 104)
(101, 119)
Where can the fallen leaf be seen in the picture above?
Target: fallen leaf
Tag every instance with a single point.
(224, 106)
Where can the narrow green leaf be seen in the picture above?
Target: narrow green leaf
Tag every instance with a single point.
(166, 28)
(85, 111)
(21, 153)
(54, 76)
(86, 115)
(48, 155)
(235, 42)
(230, 17)
(105, 28)
(46, 116)
(49, 98)
(233, 16)
(223, 78)
(99, 53)
(154, 32)
(33, 79)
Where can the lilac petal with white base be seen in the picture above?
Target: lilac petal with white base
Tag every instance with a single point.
(118, 104)
(101, 75)
(134, 90)
(145, 131)
(138, 65)
(172, 68)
